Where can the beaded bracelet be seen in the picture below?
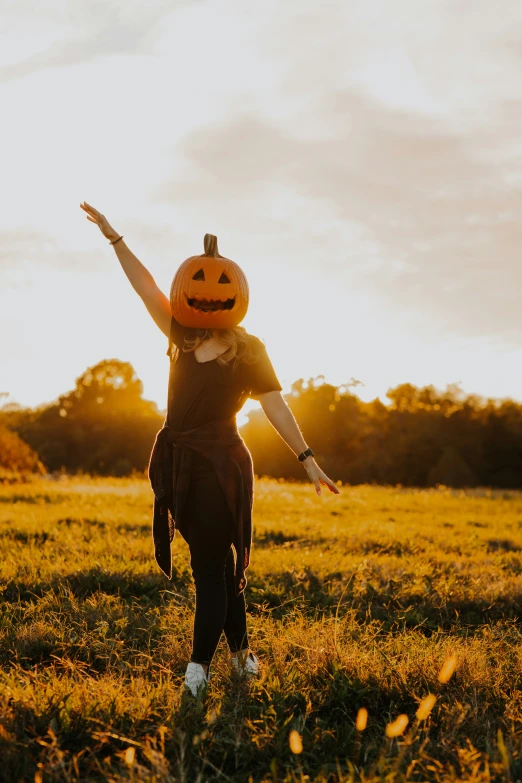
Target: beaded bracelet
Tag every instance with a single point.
(116, 240)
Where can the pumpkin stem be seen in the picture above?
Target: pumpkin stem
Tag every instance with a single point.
(210, 245)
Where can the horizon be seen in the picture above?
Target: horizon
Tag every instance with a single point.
(351, 386)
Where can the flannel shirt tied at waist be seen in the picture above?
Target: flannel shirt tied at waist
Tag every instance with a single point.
(169, 475)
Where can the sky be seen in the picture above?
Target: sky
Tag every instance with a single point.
(360, 159)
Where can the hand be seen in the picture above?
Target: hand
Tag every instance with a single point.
(316, 475)
(101, 221)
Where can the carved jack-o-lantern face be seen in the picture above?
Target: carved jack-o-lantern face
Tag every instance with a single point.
(209, 291)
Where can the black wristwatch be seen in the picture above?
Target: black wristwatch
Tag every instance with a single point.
(305, 454)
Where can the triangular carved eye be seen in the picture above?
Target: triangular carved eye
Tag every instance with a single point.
(223, 278)
(200, 275)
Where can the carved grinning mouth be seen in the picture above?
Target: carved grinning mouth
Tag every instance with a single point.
(211, 305)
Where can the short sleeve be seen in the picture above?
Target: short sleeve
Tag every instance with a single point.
(261, 376)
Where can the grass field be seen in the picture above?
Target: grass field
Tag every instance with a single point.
(355, 601)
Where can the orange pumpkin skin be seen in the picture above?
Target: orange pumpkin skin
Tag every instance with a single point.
(220, 286)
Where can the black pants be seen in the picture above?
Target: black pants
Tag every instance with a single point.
(207, 529)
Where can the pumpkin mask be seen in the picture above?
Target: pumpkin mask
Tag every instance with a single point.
(209, 291)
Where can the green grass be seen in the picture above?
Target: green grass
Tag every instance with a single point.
(354, 600)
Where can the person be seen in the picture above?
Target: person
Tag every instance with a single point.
(200, 468)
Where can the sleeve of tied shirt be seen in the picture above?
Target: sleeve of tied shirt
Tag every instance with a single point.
(261, 375)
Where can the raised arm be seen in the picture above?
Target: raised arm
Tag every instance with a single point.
(139, 276)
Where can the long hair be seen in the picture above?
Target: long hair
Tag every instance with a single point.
(239, 347)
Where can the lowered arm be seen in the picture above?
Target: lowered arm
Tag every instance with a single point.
(282, 419)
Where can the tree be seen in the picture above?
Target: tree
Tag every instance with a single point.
(102, 426)
(16, 455)
(452, 470)
(422, 437)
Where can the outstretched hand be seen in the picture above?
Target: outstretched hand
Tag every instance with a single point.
(319, 477)
(101, 221)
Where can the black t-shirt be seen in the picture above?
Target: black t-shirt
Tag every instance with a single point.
(201, 392)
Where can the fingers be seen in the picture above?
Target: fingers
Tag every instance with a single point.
(92, 214)
(323, 479)
(328, 483)
(87, 208)
(331, 486)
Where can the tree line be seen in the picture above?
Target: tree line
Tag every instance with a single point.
(423, 437)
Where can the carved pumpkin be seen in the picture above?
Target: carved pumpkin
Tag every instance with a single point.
(209, 291)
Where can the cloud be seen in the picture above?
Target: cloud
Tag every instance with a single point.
(71, 34)
(434, 222)
(25, 254)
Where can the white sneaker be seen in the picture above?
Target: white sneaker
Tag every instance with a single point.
(250, 667)
(195, 679)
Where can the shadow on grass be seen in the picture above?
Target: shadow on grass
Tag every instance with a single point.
(101, 524)
(322, 709)
(37, 538)
(503, 545)
(99, 580)
(38, 499)
(247, 737)
(273, 538)
(390, 602)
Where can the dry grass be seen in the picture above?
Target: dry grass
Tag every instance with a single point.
(356, 603)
